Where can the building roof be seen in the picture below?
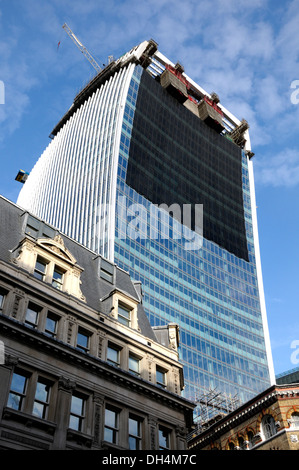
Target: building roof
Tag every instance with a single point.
(13, 223)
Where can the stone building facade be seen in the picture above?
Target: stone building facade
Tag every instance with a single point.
(270, 421)
(80, 366)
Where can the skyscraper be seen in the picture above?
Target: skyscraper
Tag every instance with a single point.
(152, 172)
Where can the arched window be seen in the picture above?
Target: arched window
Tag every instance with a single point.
(241, 443)
(268, 426)
(295, 420)
(231, 446)
(250, 437)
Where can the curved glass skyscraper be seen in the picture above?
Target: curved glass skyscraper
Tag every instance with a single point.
(150, 171)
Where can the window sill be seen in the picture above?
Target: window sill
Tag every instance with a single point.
(79, 437)
(29, 420)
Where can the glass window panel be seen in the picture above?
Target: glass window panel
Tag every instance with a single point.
(57, 280)
(40, 269)
(17, 391)
(163, 438)
(82, 341)
(124, 315)
(113, 355)
(51, 325)
(31, 316)
(134, 364)
(77, 405)
(111, 426)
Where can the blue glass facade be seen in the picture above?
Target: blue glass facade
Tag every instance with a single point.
(210, 292)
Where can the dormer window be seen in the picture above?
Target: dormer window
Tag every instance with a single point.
(124, 315)
(40, 269)
(57, 280)
(51, 262)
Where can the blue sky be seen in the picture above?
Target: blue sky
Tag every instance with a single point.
(247, 52)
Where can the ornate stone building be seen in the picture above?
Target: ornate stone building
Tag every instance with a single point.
(270, 421)
(80, 366)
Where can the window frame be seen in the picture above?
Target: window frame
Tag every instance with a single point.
(79, 417)
(14, 392)
(3, 295)
(108, 427)
(160, 371)
(57, 283)
(125, 320)
(163, 429)
(134, 357)
(84, 333)
(44, 403)
(268, 426)
(36, 309)
(41, 274)
(117, 349)
(55, 318)
(137, 438)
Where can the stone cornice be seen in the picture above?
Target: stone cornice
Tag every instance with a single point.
(71, 355)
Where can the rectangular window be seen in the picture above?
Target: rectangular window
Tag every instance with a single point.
(17, 391)
(134, 433)
(40, 269)
(77, 413)
(41, 400)
(124, 315)
(32, 313)
(57, 280)
(2, 296)
(83, 340)
(161, 377)
(164, 438)
(111, 425)
(51, 325)
(134, 365)
(107, 271)
(113, 355)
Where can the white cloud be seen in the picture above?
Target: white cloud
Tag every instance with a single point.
(279, 170)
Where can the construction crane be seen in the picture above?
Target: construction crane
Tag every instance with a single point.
(82, 48)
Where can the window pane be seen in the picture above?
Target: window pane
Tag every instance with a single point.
(113, 355)
(57, 278)
(14, 401)
(110, 418)
(51, 325)
(31, 316)
(77, 413)
(109, 435)
(18, 383)
(160, 377)
(111, 426)
(42, 391)
(134, 364)
(77, 405)
(133, 427)
(39, 409)
(17, 391)
(40, 269)
(83, 341)
(124, 315)
(133, 443)
(163, 438)
(75, 423)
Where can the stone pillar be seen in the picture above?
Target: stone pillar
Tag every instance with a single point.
(152, 439)
(98, 419)
(62, 412)
(180, 434)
